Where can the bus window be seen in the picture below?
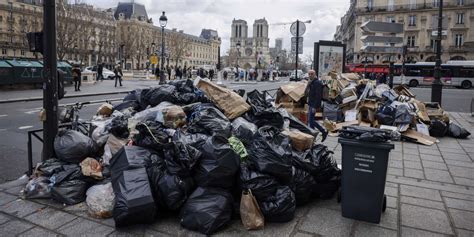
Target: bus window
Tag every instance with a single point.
(413, 72)
(446, 73)
(466, 73)
(455, 72)
(427, 72)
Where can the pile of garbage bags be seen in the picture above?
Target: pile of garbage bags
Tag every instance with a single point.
(191, 148)
(351, 100)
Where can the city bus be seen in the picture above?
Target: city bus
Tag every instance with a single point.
(453, 73)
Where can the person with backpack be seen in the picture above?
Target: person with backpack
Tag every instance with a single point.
(76, 76)
(118, 75)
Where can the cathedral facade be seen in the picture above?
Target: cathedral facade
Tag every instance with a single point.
(254, 51)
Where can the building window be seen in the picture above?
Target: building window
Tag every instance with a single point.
(460, 19)
(390, 19)
(1, 18)
(458, 40)
(460, 2)
(370, 5)
(390, 5)
(4, 51)
(412, 4)
(435, 3)
(433, 43)
(411, 41)
(412, 20)
(22, 52)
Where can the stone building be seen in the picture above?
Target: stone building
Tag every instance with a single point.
(420, 20)
(254, 51)
(88, 35)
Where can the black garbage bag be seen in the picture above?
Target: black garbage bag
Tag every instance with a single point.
(438, 128)
(262, 112)
(386, 114)
(295, 123)
(280, 207)
(257, 100)
(240, 92)
(155, 96)
(130, 157)
(169, 190)
(69, 186)
(219, 164)
(262, 185)
(403, 115)
(119, 127)
(209, 120)
(270, 152)
(50, 167)
(183, 86)
(181, 158)
(136, 96)
(456, 131)
(134, 200)
(327, 189)
(303, 185)
(151, 134)
(367, 134)
(196, 140)
(73, 147)
(318, 161)
(207, 210)
(243, 130)
(133, 194)
(126, 104)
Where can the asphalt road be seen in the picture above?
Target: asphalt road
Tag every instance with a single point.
(18, 118)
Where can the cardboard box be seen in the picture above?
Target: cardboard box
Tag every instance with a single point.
(294, 90)
(300, 141)
(404, 90)
(232, 104)
(419, 137)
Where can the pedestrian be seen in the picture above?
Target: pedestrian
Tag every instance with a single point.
(168, 70)
(157, 72)
(185, 74)
(242, 74)
(76, 75)
(100, 70)
(211, 74)
(225, 75)
(178, 73)
(314, 94)
(173, 73)
(118, 75)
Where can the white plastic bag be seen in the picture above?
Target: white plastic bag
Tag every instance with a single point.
(100, 200)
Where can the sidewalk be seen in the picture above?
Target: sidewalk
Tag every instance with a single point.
(430, 192)
(87, 89)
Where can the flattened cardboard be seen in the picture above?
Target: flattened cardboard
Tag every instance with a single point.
(299, 140)
(419, 137)
(294, 90)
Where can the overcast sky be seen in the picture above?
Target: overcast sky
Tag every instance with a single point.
(193, 15)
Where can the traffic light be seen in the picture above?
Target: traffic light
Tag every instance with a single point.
(61, 92)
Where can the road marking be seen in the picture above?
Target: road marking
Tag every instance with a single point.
(34, 111)
(24, 127)
(3, 115)
(3, 129)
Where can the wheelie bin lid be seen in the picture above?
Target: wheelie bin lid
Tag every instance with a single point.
(355, 142)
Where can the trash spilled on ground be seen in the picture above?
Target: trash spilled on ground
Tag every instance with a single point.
(351, 100)
(207, 154)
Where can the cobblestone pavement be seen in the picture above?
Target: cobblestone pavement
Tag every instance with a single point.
(430, 192)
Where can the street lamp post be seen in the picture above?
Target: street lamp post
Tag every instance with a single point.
(163, 22)
(238, 57)
(437, 86)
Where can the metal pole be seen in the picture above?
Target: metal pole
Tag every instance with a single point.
(437, 86)
(297, 37)
(50, 85)
(162, 59)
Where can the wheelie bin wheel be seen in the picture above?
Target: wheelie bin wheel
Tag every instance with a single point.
(384, 205)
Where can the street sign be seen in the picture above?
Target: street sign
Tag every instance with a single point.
(435, 33)
(379, 26)
(381, 39)
(293, 40)
(300, 47)
(301, 30)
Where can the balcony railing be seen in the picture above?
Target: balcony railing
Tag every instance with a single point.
(417, 6)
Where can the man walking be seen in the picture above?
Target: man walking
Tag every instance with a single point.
(211, 74)
(314, 93)
(100, 70)
(118, 75)
(76, 74)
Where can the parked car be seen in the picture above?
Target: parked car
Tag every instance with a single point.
(293, 76)
(106, 73)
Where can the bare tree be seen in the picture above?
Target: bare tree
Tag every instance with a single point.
(73, 29)
(178, 45)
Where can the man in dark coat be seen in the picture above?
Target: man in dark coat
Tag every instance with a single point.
(100, 70)
(118, 75)
(76, 76)
(314, 93)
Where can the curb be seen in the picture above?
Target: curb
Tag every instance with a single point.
(65, 97)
